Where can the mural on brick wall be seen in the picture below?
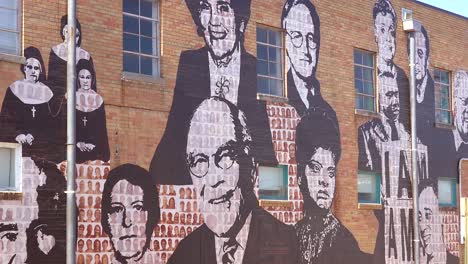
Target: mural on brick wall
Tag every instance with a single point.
(384, 147)
(222, 68)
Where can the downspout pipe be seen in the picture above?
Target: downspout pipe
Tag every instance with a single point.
(71, 134)
(414, 147)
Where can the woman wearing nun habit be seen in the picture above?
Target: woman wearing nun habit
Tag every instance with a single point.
(25, 114)
(91, 131)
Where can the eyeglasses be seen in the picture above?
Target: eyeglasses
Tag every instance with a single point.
(297, 39)
(31, 67)
(224, 158)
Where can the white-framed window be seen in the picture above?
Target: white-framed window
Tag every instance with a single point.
(10, 27)
(270, 61)
(141, 40)
(10, 167)
(364, 79)
(369, 187)
(273, 182)
(447, 192)
(443, 96)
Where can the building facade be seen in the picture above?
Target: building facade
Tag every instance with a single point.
(213, 132)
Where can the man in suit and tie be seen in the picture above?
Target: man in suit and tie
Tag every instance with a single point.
(236, 229)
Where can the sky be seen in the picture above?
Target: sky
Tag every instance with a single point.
(455, 6)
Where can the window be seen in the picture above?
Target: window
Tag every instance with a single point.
(443, 96)
(270, 77)
(141, 37)
(448, 192)
(273, 183)
(10, 27)
(10, 167)
(369, 187)
(364, 80)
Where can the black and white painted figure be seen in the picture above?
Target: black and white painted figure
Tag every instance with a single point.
(222, 68)
(460, 134)
(130, 211)
(91, 131)
(41, 245)
(236, 229)
(26, 116)
(9, 242)
(433, 249)
(57, 77)
(322, 237)
(302, 24)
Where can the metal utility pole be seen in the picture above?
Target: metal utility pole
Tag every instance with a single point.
(71, 134)
(411, 26)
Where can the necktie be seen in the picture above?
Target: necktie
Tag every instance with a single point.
(394, 132)
(229, 249)
(310, 98)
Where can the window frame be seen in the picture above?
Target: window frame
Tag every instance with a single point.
(378, 187)
(19, 30)
(437, 86)
(285, 176)
(157, 46)
(454, 191)
(18, 166)
(270, 96)
(374, 81)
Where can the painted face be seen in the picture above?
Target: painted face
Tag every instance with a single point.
(389, 98)
(32, 70)
(85, 77)
(77, 34)
(219, 28)
(8, 242)
(301, 41)
(125, 210)
(213, 167)
(320, 172)
(430, 222)
(384, 30)
(461, 104)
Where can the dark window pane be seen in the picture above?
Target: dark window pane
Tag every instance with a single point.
(368, 88)
(357, 72)
(368, 59)
(130, 42)
(359, 104)
(146, 45)
(358, 85)
(436, 75)
(273, 54)
(146, 28)
(261, 35)
(130, 24)
(262, 67)
(147, 65)
(130, 63)
(275, 70)
(274, 38)
(146, 8)
(276, 87)
(445, 77)
(130, 6)
(369, 103)
(262, 85)
(367, 74)
(357, 57)
(262, 52)
(9, 42)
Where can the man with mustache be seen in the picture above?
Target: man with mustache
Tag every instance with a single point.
(431, 231)
(235, 229)
(322, 237)
(222, 68)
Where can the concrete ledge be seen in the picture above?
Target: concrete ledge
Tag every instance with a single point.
(364, 206)
(11, 196)
(272, 98)
(131, 76)
(444, 126)
(366, 113)
(276, 203)
(12, 58)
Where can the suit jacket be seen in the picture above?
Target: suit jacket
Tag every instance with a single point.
(168, 165)
(269, 242)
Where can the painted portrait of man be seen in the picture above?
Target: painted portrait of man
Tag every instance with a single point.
(221, 68)
(222, 168)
